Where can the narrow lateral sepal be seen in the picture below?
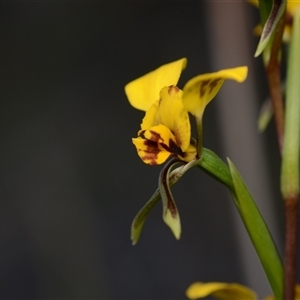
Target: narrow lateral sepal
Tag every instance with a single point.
(139, 220)
(170, 211)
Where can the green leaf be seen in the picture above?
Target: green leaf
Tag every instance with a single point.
(290, 154)
(252, 219)
(212, 164)
(258, 233)
(270, 25)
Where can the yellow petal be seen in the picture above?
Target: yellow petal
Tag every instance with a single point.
(189, 154)
(150, 118)
(170, 112)
(150, 152)
(219, 290)
(144, 91)
(292, 6)
(200, 90)
(162, 135)
(159, 134)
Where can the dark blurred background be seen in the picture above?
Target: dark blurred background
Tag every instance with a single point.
(71, 181)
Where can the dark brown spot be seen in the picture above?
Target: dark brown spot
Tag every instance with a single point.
(203, 86)
(151, 145)
(173, 148)
(151, 153)
(214, 83)
(155, 137)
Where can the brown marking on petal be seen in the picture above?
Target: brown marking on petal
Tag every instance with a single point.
(203, 86)
(173, 148)
(150, 158)
(152, 146)
(214, 83)
(155, 137)
(172, 89)
(151, 153)
(176, 134)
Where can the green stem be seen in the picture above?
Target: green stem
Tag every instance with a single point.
(291, 216)
(290, 158)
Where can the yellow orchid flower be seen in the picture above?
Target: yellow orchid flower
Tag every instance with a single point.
(290, 11)
(226, 291)
(166, 128)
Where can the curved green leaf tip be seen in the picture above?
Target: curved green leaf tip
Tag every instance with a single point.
(140, 218)
(270, 25)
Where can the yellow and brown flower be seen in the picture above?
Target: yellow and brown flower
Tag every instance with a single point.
(165, 130)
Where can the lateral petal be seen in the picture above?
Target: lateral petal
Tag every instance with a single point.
(200, 90)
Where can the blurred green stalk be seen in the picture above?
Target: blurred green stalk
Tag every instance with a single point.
(290, 159)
